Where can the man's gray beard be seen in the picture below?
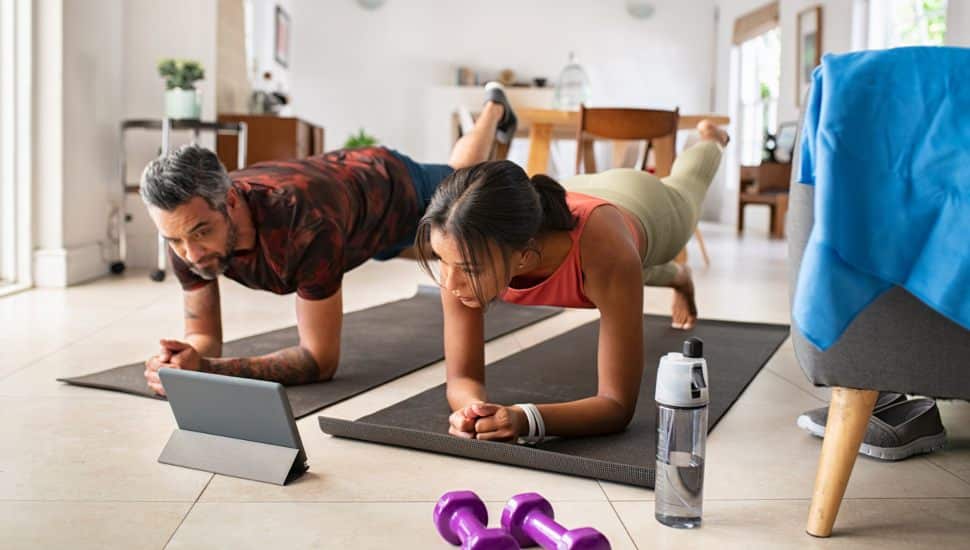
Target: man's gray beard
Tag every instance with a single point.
(231, 242)
(211, 275)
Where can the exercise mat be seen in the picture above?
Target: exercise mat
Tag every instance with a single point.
(378, 345)
(564, 369)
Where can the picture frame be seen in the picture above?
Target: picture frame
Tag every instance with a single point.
(808, 46)
(281, 48)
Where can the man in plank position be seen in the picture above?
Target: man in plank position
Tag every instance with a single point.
(291, 226)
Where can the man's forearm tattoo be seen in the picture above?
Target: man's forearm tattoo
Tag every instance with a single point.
(290, 366)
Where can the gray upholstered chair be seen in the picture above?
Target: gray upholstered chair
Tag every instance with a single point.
(896, 344)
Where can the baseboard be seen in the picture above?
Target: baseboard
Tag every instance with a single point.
(62, 267)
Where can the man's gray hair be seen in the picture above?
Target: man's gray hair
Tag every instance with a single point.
(183, 174)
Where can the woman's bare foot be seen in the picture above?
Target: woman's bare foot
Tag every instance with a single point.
(683, 313)
(710, 131)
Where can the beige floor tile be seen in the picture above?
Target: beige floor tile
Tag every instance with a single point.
(94, 525)
(346, 470)
(32, 331)
(131, 339)
(90, 449)
(785, 364)
(757, 452)
(617, 492)
(877, 524)
(955, 458)
(343, 525)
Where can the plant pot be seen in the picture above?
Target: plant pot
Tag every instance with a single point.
(182, 104)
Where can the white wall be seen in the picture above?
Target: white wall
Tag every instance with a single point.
(353, 68)
(78, 109)
(836, 38)
(958, 23)
(94, 65)
(48, 140)
(264, 38)
(154, 30)
(231, 72)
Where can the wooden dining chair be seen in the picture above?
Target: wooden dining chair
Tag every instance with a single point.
(655, 127)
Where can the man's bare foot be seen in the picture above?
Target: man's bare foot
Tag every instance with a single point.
(683, 313)
(710, 131)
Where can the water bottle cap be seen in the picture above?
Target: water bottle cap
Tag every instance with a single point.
(682, 381)
(693, 347)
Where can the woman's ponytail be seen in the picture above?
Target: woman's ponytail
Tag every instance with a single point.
(556, 215)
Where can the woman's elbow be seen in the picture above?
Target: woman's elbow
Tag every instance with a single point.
(620, 417)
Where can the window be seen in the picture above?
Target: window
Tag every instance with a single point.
(894, 23)
(15, 78)
(760, 78)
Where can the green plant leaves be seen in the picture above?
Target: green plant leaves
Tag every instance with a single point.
(180, 73)
(360, 139)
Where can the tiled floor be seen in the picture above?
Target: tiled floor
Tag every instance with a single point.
(78, 467)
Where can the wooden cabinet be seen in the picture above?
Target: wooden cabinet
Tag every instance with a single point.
(766, 184)
(270, 138)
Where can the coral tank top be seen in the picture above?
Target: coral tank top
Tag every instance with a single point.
(564, 287)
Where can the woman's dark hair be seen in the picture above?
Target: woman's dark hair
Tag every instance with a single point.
(492, 201)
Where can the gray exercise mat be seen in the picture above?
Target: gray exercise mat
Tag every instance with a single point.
(378, 345)
(563, 369)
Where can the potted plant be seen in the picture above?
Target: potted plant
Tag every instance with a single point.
(182, 100)
(360, 139)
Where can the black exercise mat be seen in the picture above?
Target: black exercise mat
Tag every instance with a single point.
(563, 369)
(378, 345)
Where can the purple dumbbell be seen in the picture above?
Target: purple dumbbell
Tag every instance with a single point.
(461, 518)
(529, 518)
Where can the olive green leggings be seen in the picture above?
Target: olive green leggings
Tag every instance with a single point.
(667, 207)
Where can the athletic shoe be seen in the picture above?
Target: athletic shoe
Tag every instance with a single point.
(505, 131)
(814, 420)
(903, 430)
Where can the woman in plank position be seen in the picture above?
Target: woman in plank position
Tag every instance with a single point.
(592, 242)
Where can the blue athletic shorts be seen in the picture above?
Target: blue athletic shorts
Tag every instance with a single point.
(425, 178)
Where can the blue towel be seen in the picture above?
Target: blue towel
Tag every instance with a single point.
(886, 142)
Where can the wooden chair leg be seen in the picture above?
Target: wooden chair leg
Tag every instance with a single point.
(501, 151)
(778, 211)
(782, 214)
(740, 217)
(589, 157)
(681, 256)
(700, 241)
(849, 414)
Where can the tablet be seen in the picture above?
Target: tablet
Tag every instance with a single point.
(228, 406)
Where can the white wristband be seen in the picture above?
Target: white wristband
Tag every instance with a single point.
(537, 428)
(532, 423)
(540, 424)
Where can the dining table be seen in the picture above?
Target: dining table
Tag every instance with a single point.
(545, 125)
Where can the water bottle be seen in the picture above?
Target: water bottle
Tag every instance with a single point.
(682, 399)
(572, 89)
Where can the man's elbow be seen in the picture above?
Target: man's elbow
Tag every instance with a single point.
(326, 368)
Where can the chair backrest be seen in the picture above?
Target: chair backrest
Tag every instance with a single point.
(658, 128)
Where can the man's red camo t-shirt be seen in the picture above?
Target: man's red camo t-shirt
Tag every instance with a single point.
(316, 218)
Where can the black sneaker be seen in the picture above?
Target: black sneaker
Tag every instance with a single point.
(505, 131)
(814, 420)
(897, 429)
(905, 429)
